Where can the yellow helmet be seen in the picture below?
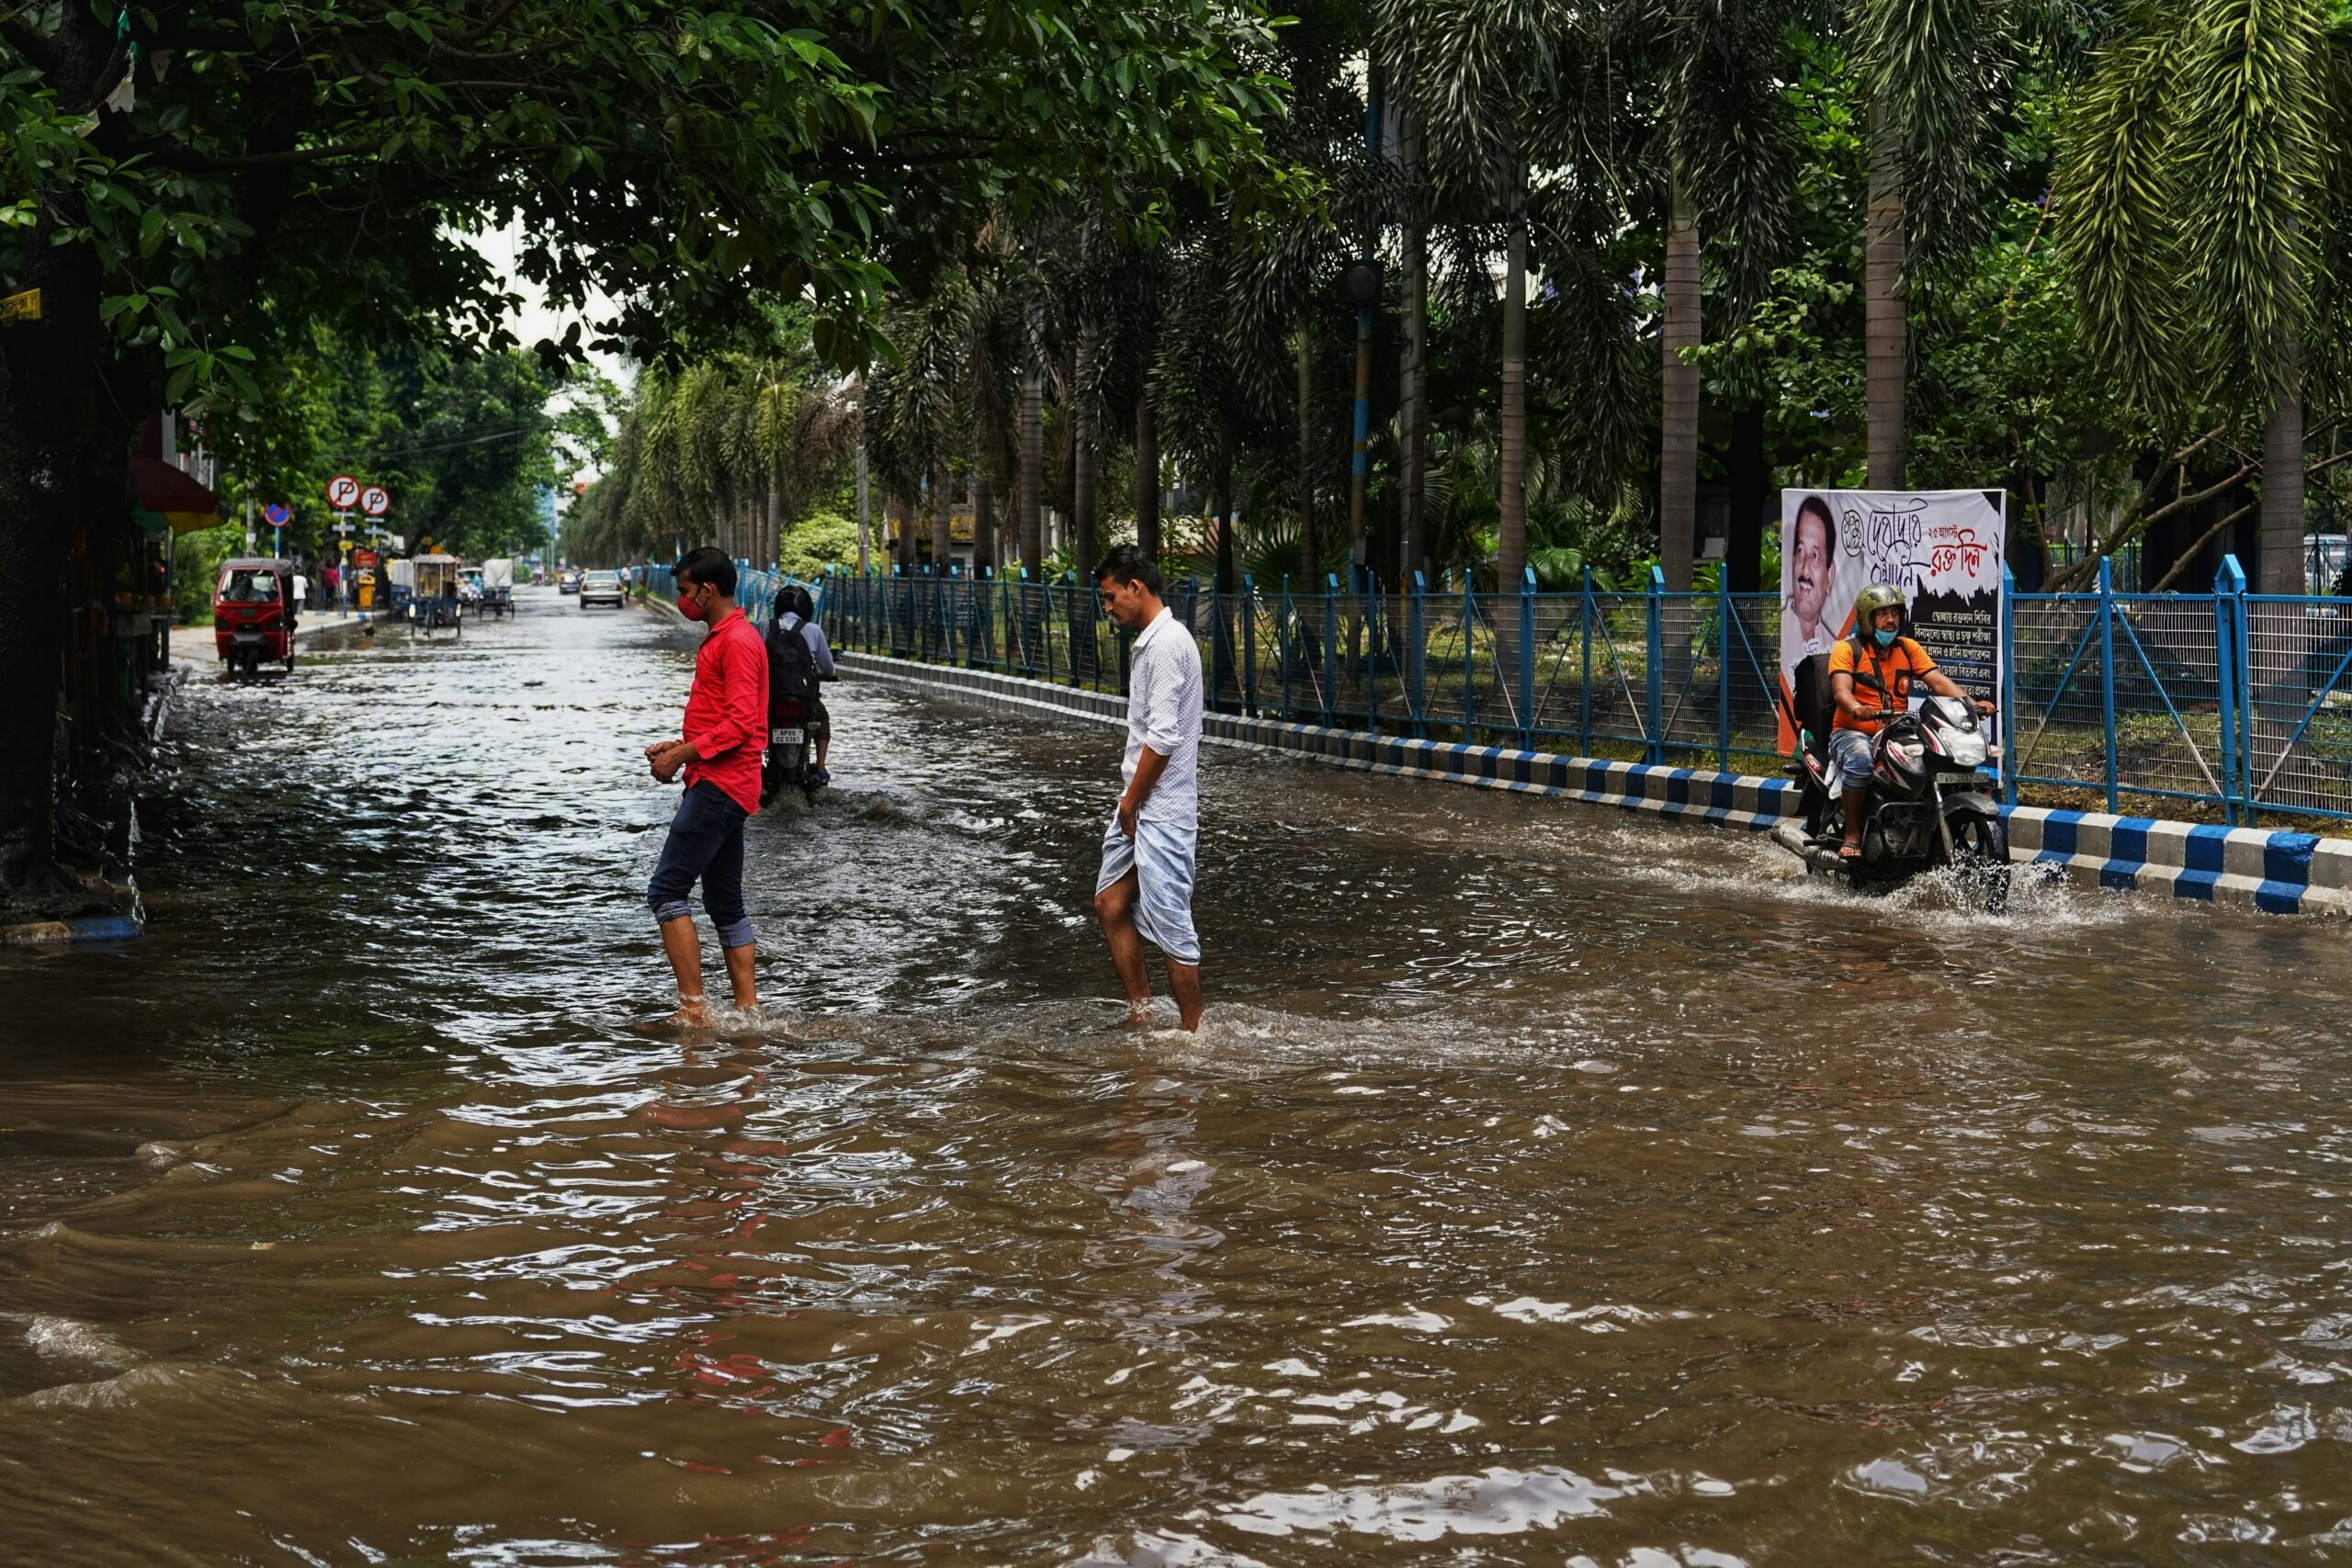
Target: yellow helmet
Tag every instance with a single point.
(1876, 597)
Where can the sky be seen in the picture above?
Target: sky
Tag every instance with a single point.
(532, 318)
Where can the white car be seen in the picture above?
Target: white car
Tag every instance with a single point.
(604, 586)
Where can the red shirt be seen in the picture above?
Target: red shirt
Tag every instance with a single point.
(727, 713)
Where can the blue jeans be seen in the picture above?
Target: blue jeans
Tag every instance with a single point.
(1850, 749)
(705, 842)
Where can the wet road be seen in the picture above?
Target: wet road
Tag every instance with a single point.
(1551, 1187)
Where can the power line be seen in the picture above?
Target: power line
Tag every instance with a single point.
(436, 446)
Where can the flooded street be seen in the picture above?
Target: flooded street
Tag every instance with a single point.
(1550, 1187)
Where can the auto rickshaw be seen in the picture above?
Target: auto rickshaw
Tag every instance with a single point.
(435, 606)
(253, 614)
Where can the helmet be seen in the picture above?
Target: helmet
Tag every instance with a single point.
(1876, 597)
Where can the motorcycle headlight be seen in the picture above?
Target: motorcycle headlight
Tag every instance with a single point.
(1908, 752)
(1967, 750)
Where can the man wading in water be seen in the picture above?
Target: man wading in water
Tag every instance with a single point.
(726, 731)
(1152, 841)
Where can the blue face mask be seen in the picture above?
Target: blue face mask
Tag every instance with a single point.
(1885, 639)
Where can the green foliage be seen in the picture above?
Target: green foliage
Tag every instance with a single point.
(463, 441)
(819, 540)
(324, 159)
(196, 566)
(2201, 190)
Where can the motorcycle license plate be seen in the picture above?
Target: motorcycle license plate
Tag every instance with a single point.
(788, 737)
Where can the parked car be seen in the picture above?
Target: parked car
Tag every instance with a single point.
(568, 579)
(601, 587)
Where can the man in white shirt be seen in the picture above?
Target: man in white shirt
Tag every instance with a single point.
(1151, 845)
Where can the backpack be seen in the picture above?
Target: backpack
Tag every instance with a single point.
(791, 668)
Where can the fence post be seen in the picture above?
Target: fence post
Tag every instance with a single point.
(1369, 600)
(1723, 667)
(1469, 683)
(1584, 718)
(1526, 658)
(1330, 639)
(1249, 645)
(1287, 630)
(2008, 685)
(1417, 631)
(1654, 677)
(2107, 669)
(2229, 666)
(1218, 657)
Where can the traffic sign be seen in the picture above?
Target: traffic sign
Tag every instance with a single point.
(342, 493)
(279, 512)
(363, 559)
(375, 501)
(342, 525)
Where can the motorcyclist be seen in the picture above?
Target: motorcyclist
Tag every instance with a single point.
(798, 613)
(1871, 675)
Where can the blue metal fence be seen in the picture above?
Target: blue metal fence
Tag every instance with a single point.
(2238, 701)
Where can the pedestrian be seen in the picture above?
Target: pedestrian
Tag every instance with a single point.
(1151, 846)
(726, 731)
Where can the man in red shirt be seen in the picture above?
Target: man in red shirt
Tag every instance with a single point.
(726, 731)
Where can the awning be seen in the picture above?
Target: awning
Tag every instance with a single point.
(168, 498)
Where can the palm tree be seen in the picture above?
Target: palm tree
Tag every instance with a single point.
(1729, 160)
(2201, 198)
(1931, 67)
(1501, 90)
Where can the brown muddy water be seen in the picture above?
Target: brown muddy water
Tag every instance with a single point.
(1551, 1186)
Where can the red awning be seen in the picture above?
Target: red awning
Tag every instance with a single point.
(172, 498)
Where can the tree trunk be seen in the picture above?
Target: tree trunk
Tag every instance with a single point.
(864, 518)
(1085, 546)
(1678, 477)
(771, 530)
(1750, 482)
(1029, 484)
(902, 532)
(1412, 415)
(1147, 476)
(1224, 503)
(1310, 552)
(1510, 551)
(984, 552)
(1883, 341)
(48, 427)
(942, 519)
(2279, 551)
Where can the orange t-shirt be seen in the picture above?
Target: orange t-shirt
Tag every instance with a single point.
(1894, 670)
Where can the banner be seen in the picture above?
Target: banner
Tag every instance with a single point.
(1942, 548)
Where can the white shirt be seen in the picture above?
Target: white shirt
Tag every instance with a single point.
(1164, 713)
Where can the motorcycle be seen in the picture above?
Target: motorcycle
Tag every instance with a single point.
(792, 751)
(1929, 808)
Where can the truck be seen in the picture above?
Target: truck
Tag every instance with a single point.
(498, 587)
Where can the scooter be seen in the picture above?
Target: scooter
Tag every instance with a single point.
(1930, 807)
(792, 752)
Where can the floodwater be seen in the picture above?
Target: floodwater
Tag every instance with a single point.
(1551, 1186)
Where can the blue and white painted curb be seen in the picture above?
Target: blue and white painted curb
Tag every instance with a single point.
(2278, 873)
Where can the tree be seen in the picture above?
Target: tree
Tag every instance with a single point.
(324, 161)
(1727, 146)
(2200, 201)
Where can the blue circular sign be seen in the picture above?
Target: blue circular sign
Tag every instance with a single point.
(278, 511)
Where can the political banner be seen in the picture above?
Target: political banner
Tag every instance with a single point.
(1942, 549)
